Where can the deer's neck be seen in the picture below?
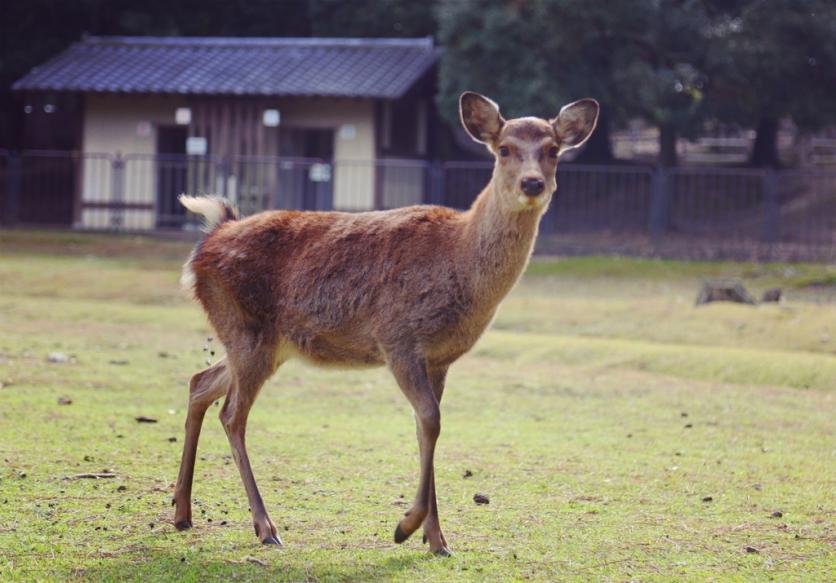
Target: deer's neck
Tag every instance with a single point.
(498, 244)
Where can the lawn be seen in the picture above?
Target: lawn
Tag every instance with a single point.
(620, 432)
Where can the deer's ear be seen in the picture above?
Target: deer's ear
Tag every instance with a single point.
(480, 117)
(575, 123)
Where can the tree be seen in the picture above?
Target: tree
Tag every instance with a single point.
(660, 69)
(510, 52)
(774, 59)
(638, 58)
(372, 18)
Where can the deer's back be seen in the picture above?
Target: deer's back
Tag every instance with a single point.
(343, 288)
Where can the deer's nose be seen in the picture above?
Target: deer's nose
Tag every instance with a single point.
(532, 186)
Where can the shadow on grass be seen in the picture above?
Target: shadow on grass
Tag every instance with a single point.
(281, 566)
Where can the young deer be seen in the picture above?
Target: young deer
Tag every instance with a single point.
(411, 288)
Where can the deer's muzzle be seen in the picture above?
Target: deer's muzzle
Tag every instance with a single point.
(532, 186)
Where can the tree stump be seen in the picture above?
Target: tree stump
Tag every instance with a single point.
(772, 295)
(724, 292)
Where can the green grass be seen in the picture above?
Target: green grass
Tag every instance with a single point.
(598, 415)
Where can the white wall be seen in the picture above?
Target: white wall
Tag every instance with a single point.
(127, 125)
(111, 125)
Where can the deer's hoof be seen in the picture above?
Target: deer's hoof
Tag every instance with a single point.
(272, 540)
(183, 525)
(400, 535)
(443, 552)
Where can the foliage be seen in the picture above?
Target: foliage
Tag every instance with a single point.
(772, 60)
(640, 59)
(775, 58)
(674, 63)
(372, 18)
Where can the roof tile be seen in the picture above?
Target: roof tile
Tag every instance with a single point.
(382, 68)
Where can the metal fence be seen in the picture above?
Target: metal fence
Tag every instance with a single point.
(685, 211)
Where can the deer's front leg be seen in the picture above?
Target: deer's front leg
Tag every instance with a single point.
(412, 376)
(432, 526)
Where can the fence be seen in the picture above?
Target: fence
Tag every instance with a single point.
(685, 211)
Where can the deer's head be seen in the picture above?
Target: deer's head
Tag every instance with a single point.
(526, 148)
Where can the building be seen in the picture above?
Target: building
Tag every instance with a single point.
(307, 123)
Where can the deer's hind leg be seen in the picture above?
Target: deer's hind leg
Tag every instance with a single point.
(204, 388)
(250, 369)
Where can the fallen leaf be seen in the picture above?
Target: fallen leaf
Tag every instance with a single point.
(64, 401)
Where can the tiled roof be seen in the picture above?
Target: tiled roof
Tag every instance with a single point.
(384, 68)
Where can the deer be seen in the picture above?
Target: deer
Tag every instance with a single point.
(411, 289)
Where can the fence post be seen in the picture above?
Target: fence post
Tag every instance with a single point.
(660, 202)
(14, 182)
(325, 189)
(435, 183)
(771, 209)
(117, 177)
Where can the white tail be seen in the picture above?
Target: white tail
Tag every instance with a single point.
(213, 209)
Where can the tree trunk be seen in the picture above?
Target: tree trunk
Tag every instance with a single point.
(765, 151)
(667, 146)
(598, 150)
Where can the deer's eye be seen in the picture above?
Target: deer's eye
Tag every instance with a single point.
(504, 151)
(553, 152)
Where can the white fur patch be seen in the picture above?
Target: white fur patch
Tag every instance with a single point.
(187, 278)
(211, 208)
(531, 202)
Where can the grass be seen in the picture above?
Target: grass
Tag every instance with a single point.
(620, 432)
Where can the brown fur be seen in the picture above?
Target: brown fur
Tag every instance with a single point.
(411, 288)
(346, 289)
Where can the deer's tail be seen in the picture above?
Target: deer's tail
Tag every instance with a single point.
(214, 211)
